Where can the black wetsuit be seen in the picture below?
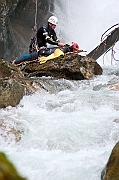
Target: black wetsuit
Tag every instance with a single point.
(46, 35)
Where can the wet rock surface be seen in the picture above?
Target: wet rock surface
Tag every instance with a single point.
(7, 169)
(73, 67)
(11, 91)
(111, 171)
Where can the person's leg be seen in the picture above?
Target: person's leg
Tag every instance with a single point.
(26, 57)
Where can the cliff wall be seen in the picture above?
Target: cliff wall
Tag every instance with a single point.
(17, 22)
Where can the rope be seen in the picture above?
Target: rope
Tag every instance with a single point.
(113, 56)
(113, 52)
(35, 19)
(36, 12)
(33, 45)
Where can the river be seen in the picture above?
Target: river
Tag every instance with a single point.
(68, 132)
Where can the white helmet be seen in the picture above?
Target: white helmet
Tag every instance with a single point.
(53, 20)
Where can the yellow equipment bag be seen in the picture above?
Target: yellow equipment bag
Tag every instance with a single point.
(56, 54)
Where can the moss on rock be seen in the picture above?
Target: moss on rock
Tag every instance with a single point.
(7, 170)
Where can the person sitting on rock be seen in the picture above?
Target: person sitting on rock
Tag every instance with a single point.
(48, 35)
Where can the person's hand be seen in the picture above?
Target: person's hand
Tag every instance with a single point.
(61, 44)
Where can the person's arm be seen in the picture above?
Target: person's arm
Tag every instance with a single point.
(50, 41)
(61, 44)
(48, 38)
(54, 40)
(57, 40)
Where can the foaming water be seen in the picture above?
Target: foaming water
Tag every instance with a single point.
(68, 134)
(68, 131)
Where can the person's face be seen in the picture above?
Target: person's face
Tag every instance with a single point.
(53, 26)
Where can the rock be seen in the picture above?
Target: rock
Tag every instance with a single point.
(10, 129)
(16, 25)
(9, 70)
(72, 67)
(7, 170)
(114, 86)
(11, 90)
(111, 171)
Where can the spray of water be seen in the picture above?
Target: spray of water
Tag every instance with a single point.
(85, 21)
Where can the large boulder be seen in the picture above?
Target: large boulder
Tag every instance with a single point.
(111, 171)
(11, 90)
(72, 67)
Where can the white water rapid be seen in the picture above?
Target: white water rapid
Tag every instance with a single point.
(68, 132)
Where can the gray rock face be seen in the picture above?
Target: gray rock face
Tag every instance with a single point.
(17, 21)
(11, 91)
